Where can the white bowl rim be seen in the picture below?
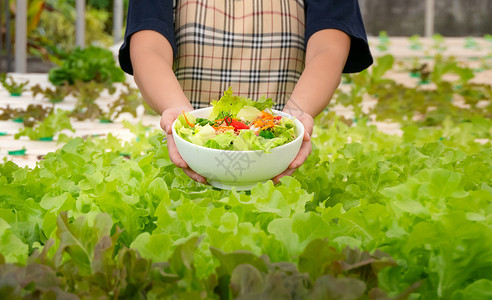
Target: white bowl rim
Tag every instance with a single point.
(300, 136)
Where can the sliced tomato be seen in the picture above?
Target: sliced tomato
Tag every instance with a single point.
(238, 125)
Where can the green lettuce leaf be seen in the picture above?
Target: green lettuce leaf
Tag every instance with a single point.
(248, 113)
(11, 247)
(232, 105)
(202, 135)
(221, 141)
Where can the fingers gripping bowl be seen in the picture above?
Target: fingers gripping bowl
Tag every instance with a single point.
(240, 169)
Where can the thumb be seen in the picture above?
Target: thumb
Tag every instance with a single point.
(307, 137)
(166, 123)
(308, 131)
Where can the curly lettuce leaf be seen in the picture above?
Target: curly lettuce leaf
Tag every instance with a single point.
(248, 113)
(221, 141)
(233, 104)
(202, 135)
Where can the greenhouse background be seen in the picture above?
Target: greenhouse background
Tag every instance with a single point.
(106, 19)
(394, 202)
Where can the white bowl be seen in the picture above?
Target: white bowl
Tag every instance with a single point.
(240, 169)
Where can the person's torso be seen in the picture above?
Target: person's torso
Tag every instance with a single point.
(254, 46)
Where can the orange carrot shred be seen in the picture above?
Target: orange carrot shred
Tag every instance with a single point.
(191, 124)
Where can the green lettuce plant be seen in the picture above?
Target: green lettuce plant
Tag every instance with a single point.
(128, 101)
(54, 94)
(384, 41)
(12, 86)
(28, 116)
(415, 42)
(420, 198)
(89, 64)
(48, 128)
(87, 93)
(438, 42)
(369, 215)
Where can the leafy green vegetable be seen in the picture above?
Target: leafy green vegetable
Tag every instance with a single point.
(393, 98)
(232, 104)
(29, 116)
(248, 113)
(238, 113)
(91, 63)
(203, 122)
(202, 135)
(53, 94)
(12, 248)
(267, 134)
(51, 125)
(86, 107)
(128, 101)
(384, 41)
(414, 197)
(368, 215)
(13, 87)
(222, 141)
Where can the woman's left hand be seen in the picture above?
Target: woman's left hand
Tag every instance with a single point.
(305, 150)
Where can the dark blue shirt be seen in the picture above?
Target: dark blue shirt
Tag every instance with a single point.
(343, 15)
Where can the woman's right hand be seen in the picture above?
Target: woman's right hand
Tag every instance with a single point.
(167, 119)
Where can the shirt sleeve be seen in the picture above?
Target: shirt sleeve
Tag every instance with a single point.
(343, 15)
(147, 15)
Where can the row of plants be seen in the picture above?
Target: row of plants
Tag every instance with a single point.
(369, 215)
(89, 72)
(420, 105)
(91, 64)
(85, 75)
(321, 270)
(438, 42)
(44, 122)
(118, 219)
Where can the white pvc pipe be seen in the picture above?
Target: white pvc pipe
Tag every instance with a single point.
(429, 17)
(21, 37)
(118, 21)
(80, 24)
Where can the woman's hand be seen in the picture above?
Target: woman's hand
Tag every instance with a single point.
(167, 119)
(305, 149)
(152, 59)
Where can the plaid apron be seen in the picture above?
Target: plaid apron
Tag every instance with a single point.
(254, 46)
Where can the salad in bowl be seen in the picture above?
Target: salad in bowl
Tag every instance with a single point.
(237, 123)
(237, 142)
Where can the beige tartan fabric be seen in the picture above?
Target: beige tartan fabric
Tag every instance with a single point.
(254, 46)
